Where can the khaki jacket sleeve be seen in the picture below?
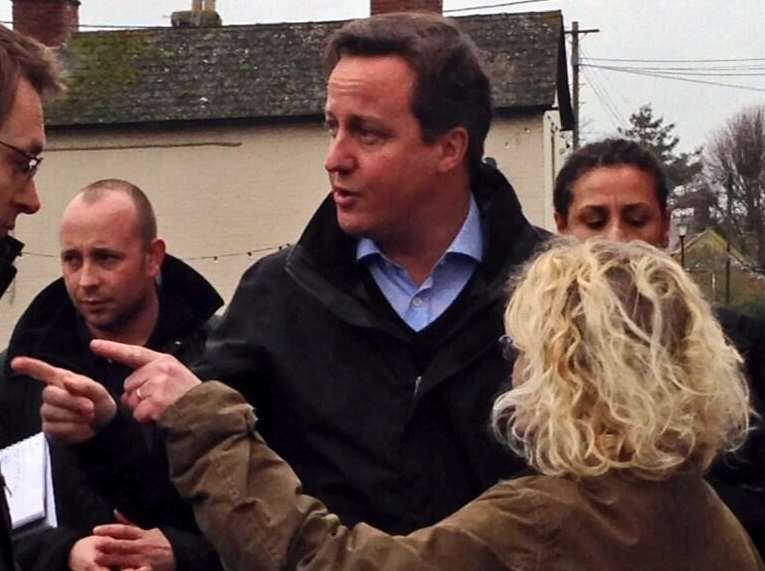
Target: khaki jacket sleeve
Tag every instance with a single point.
(249, 502)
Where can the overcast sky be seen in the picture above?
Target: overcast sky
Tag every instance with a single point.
(645, 30)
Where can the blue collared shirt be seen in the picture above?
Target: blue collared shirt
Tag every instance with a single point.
(420, 306)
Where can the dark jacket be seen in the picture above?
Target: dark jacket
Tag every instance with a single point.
(10, 248)
(50, 329)
(258, 517)
(739, 477)
(384, 424)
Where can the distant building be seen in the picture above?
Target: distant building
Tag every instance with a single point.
(722, 271)
(222, 126)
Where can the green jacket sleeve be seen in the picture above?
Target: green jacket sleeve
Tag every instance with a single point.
(250, 505)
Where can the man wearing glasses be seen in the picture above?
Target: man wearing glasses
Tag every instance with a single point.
(27, 74)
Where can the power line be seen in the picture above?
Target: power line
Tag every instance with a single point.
(721, 68)
(698, 65)
(502, 5)
(608, 105)
(604, 82)
(603, 94)
(104, 26)
(675, 77)
(699, 73)
(732, 60)
(753, 71)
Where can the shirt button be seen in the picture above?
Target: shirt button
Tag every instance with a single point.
(417, 302)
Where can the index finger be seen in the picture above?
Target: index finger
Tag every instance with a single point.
(133, 356)
(40, 370)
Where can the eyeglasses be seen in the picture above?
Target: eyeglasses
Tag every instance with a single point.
(33, 161)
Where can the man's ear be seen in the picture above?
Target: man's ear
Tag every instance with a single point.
(561, 223)
(156, 256)
(453, 148)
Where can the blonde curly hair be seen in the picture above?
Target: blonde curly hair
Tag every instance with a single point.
(623, 365)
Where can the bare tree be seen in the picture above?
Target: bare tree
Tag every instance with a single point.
(735, 174)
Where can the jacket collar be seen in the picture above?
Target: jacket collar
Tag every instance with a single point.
(46, 328)
(10, 249)
(324, 260)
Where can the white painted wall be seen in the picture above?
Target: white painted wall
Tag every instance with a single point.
(227, 191)
(530, 151)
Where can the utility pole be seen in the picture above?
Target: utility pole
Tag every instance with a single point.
(575, 79)
(728, 237)
(575, 32)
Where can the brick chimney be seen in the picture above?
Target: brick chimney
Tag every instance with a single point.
(48, 21)
(201, 15)
(383, 6)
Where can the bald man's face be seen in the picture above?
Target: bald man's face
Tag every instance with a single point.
(108, 269)
(618, 203)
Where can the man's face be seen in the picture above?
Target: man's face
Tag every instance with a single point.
(23, 129)
(108, 269)
(618, 203)
(381, 172)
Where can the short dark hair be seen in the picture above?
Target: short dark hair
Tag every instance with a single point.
(21, 56)
(146, 221)
(452, 89)
(608, 153)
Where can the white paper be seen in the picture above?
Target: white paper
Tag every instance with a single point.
(29, 486)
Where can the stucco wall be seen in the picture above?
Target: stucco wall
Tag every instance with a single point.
(223, 192)
(235, 193)
(529, 150)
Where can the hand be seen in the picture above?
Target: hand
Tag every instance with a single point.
(74, 406)
(83, 554)
(157, 382)
(131, 548)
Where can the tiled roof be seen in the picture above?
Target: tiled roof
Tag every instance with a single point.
(271, 71)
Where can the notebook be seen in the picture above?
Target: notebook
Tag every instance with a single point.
(26, 468)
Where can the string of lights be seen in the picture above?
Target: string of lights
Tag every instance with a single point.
(212, 257)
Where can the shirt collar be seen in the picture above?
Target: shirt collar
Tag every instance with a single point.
(468, 241)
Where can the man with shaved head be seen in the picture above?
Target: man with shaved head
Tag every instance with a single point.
(119, 284)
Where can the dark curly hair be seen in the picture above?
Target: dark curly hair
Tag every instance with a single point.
(606, 153)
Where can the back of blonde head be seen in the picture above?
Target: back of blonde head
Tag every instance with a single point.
(624, 366)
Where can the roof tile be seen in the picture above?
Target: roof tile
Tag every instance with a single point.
(267, 71)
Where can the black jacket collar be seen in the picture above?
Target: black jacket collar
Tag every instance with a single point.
(324, 263)
(10, 249)
(47, 327)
